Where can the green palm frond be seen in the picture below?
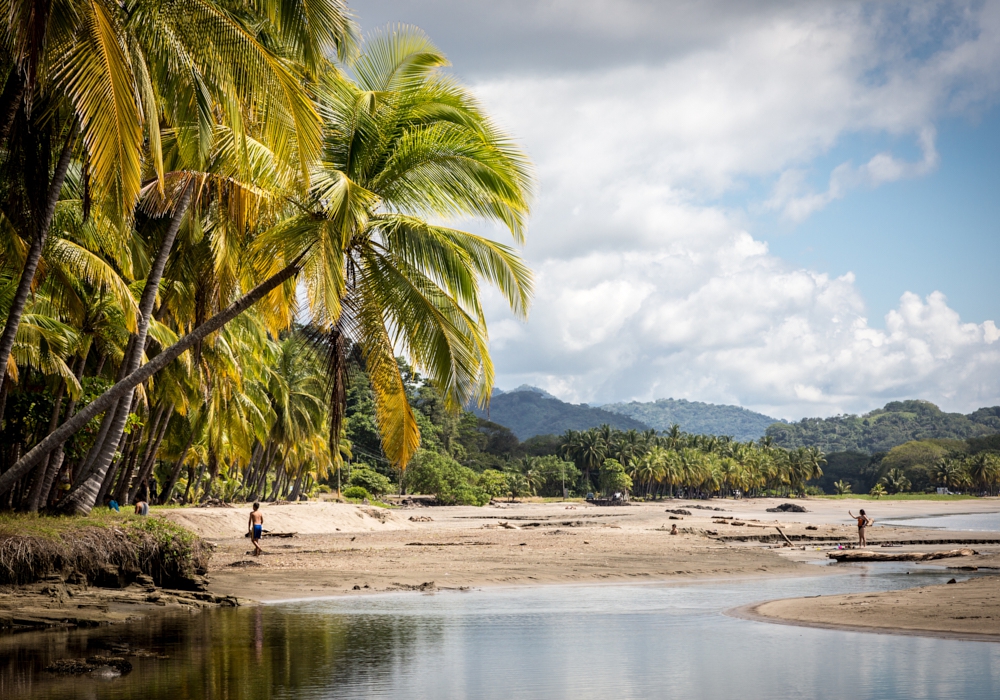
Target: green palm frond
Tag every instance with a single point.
(98, 77)
(91, 268)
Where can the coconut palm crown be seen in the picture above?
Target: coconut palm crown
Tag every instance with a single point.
(404, 147)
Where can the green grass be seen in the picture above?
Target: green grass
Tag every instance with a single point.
(55, 526)
(901, 497)
(32, 545)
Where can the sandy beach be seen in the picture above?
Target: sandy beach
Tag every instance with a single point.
(342, 549)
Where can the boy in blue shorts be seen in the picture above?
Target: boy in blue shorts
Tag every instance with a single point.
(256, 526)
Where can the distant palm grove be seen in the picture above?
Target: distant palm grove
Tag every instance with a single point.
(213, 215)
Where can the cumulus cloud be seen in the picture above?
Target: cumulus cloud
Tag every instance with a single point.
(652, 125)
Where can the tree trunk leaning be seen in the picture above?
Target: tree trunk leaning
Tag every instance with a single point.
(176, 475)
(102, 402)
(146, 303)
(35, 251)
(149, 461)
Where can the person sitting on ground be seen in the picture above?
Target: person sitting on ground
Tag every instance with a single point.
(141, 508)
(113, 505)
(256, 526)
(864, 522)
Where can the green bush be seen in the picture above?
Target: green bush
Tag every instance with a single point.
(613, 478)
(357, 492)
(446, 479)
(493, 482)
(371, 481)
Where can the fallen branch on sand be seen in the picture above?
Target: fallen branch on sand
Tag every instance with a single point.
(783, 536)
(900, 556)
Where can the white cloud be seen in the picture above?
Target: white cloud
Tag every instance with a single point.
(647, 287)
(796, 203)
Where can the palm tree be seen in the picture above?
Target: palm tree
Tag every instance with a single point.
(116, 72)
(896, 481)
(402, 142)
(591, 450)
(949, 473)
(378, 274)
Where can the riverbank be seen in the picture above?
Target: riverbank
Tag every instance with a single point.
(968, 609)
(342, 549)
(103, 569)
(116, 567)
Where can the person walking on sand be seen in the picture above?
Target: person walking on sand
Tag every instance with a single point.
(863, 524)
(256, 527)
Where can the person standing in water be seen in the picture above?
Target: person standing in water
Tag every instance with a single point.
(256, 526)
(863, 523)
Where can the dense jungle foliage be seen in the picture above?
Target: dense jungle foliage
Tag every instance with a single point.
(696, 417)
(885, 428)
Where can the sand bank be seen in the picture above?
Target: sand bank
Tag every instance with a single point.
(342, 549)
(968, 609)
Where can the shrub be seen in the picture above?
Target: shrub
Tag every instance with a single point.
(358, 492)
(449, 481)
(493, 483)
(371, 481)
(613, 478)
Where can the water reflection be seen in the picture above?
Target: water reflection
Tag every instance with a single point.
(557, 642)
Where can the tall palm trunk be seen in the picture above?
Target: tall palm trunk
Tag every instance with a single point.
(86, 466)
(124, 467)
(82, 499)
(43, 469)
(176, 475)
(123, 491)
(146, 303)
(35, 253)
(149, 461)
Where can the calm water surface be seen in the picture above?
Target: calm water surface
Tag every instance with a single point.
(579, 642)
(975, 522)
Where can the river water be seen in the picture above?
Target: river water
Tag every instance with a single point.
(580, 642)
(974, 522)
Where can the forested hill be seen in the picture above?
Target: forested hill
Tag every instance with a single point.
(885, 428)
(696, 417)
(528, 413)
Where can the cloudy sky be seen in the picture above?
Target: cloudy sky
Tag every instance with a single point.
(788, 206)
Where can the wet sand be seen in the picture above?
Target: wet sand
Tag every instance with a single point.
(342, 549)
(968, 609)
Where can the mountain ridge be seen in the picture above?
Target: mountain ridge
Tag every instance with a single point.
(528, 413)
(697, 417)
(882, 429)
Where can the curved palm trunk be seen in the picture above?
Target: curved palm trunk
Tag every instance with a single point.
(82, 498)
(86, 466)
(34, 254)
(107, 452)
(38, 487)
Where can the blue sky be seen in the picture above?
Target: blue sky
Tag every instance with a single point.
(788, 206)
(936, 232)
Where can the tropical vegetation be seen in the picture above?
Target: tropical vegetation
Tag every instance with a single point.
(885, 428)
(696, 417)
(213, 216)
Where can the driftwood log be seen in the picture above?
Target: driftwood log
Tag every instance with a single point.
(862, 555)
(784, 536)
